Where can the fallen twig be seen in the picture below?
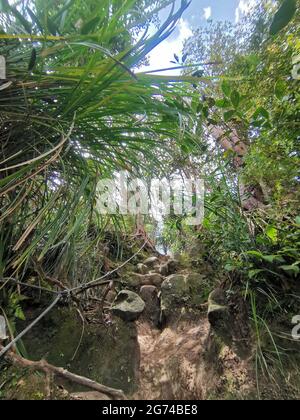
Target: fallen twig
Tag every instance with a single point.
(3, 350)
(45, 367)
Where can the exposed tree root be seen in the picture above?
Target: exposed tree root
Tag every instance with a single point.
(49, 370)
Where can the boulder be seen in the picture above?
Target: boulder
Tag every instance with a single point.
(151, 262)
(164, 270)
(142, 269)
(228, 317)
(134, 279)
(153, 279)
(174, 294)
(179, 291)
(149, 294)
(197, 284)
(155, 269)
(128, 306)
(219, 316)
(170, 267)
(173, 266)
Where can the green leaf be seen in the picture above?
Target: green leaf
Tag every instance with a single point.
(235, 98)
(19, 313)
(230, 267)
(206, 223)
(90, 26)
(272, 233)
(223, 103)
(294, 269)
(52, 27)
(261, 112)
(280, 89)
(199, 108)
(226, 88)
(283, 16)
(228, 115)
(34, 19)
(254, 273)
(253, 60)
(256, 254)
(273, 258)
(297, 220)
(205, 111)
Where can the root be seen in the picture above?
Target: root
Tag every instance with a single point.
(50, 370)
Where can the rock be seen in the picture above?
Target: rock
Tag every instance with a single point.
(180, 291)
(230, 321)
(149, 294)
(153, 279)
(196, 250)
(241, 330)
(173, 266)
(174, 293)
(128, 306)
(219, 316)
(142, 269)
(151, 262)
(169, 267)
(164, 270)
(155, 269)
(90, 396)
(134, 279)
(197, 284)
(177, 255)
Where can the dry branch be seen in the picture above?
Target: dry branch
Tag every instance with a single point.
(45, 367)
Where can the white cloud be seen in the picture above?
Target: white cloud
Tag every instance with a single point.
(163, 54)
(244, 8)
(207, 12)
(184, 30)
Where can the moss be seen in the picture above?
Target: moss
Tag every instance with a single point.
(21, 384)
(107, 354)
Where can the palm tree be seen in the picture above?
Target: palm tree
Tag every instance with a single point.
(74, 109)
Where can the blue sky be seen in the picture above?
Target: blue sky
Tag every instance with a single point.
(195, 16)
(220, 10)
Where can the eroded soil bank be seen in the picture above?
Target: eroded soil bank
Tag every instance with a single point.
(159, 338)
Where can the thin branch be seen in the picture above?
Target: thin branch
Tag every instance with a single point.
(86, 286)
(43, 314)
(44, 366)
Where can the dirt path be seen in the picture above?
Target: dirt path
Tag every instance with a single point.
(181, 362)
(172, 365)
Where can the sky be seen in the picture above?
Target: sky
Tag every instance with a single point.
(198, 13)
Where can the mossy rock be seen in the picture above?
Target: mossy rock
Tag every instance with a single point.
(128, 306)
(181, 291)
